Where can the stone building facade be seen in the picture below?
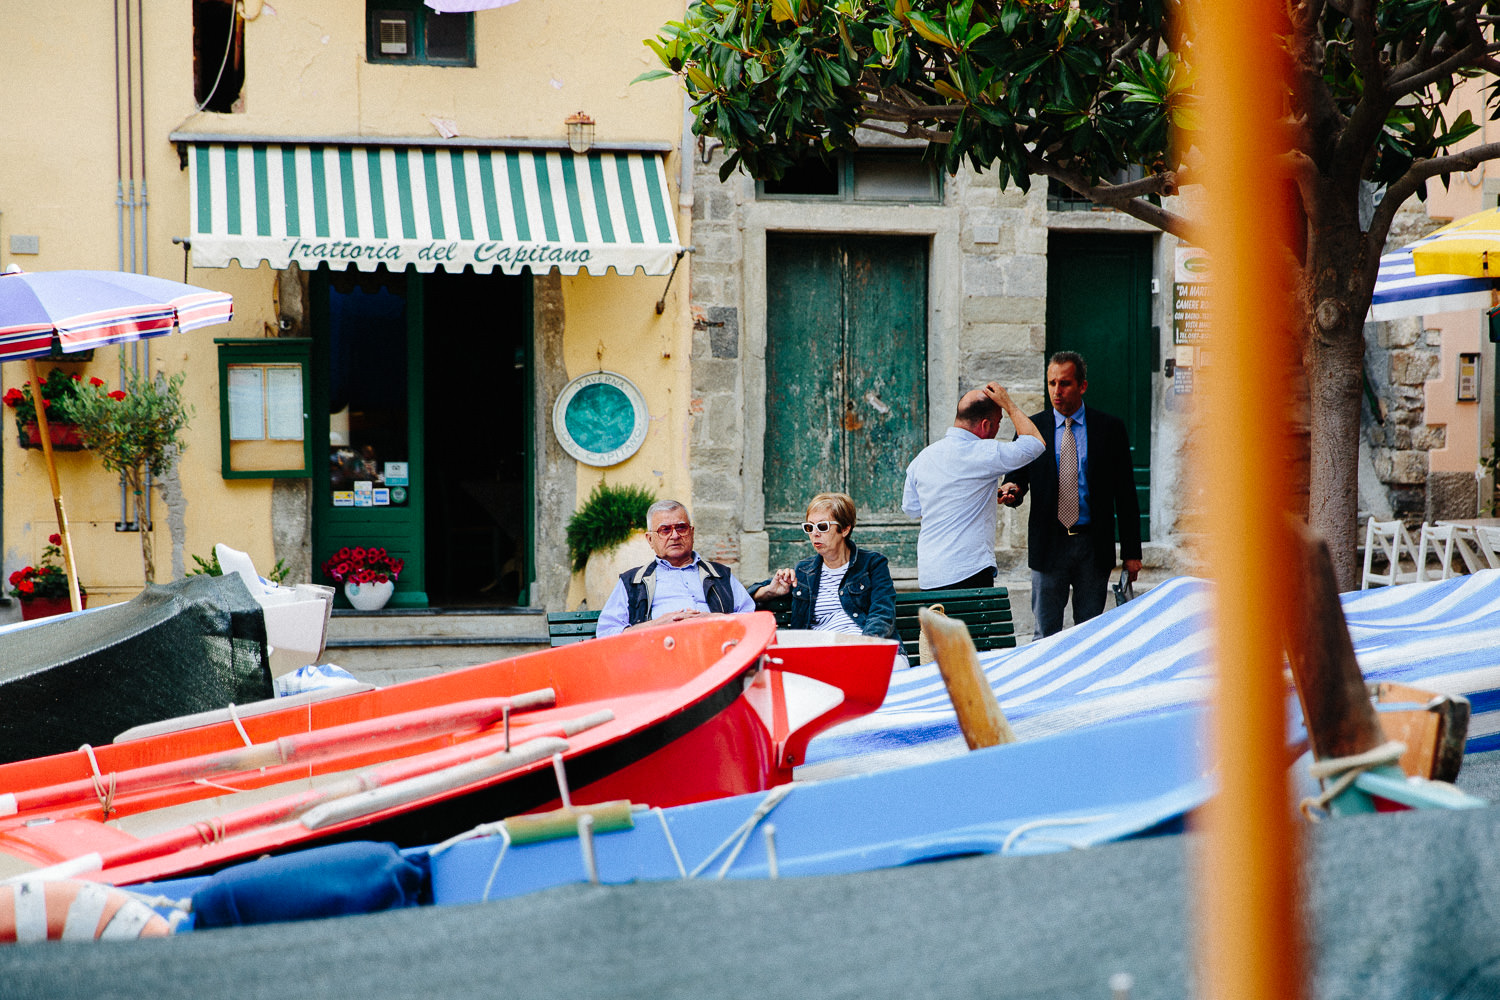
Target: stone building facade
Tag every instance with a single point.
(987, 318)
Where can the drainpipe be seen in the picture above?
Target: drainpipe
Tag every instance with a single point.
(122, 524)
(140, 37)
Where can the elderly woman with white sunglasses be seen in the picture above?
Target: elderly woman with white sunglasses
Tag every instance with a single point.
(841, 588)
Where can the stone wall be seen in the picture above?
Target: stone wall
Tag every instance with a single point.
(1400, 357)
(717, 438)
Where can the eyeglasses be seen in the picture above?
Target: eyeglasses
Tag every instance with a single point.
(821, 527)
(668, 530)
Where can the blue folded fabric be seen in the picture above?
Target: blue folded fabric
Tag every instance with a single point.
(357, 877)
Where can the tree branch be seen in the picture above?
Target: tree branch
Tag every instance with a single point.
(1127, 197)
(1416, 175)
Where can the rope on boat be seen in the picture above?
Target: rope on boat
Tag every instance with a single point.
(1345, 771)
(499, 857)
(234, 716)
(742, 833)
(1036, 824)
(105, 793)
(667, 832)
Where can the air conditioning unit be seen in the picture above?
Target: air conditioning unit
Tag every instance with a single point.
(395, 36)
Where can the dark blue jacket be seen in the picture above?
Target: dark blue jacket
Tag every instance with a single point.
(867, 593)
(640, 588)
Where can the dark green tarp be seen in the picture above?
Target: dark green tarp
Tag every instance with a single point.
(189, 646)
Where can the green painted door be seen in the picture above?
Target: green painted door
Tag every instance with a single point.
(1099, 304)
(368, 404)
(846, 384)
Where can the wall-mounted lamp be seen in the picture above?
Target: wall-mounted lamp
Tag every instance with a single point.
(580, 132)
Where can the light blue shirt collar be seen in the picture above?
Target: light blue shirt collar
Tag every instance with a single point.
(1078, 416)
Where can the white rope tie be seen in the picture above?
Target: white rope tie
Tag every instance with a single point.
(234, 716)
(105, 794)
(1344, 771)
(210, 832)
(1037, 824)
(504, 846)
(667, 832)
(482, 830)
(742, 834)
(214, 784)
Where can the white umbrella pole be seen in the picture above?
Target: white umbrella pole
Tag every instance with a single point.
(57, 500)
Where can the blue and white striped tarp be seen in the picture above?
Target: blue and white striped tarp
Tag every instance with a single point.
(1153, 655)
(1401, 292)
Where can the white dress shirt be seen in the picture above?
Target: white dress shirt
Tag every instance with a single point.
(951, 486)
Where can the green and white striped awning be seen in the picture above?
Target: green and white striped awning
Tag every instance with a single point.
(430, 207)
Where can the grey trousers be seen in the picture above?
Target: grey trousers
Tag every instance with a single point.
(1072, 568)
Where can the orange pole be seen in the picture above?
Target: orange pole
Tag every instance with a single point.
(1247, 880)
(57, 501)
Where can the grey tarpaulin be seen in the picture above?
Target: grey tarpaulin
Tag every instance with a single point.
(1402, 906)
(189, 646)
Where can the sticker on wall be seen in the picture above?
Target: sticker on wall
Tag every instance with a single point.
(343, 498)
(600, 418)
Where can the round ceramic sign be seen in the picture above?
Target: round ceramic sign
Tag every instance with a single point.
(600, 418)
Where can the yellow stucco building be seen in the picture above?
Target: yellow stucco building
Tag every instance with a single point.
(413, 248)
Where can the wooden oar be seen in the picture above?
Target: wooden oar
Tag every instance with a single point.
(389, 732)
(979, 715)
(452, 761)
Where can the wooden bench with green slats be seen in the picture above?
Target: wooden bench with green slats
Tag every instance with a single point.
(985, 610)
(564, 627)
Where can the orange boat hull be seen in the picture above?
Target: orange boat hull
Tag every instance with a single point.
(683, 730)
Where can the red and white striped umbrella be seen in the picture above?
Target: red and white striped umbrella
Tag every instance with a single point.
(88, 309)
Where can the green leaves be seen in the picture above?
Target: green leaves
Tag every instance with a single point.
(777, 81)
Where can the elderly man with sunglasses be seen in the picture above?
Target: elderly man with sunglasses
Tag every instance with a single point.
(678, 584)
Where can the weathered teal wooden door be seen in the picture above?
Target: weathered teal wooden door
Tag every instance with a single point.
(846, 384)
(1099, 304)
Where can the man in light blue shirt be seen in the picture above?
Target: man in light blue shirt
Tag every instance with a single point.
(678, 584)
(952, 486)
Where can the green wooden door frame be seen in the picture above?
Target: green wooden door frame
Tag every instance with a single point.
(401, 531)
(1111, 327)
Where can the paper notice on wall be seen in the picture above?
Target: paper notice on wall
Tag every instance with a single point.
(284, 403)
(247, 413)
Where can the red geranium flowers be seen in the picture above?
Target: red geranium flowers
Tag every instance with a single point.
(46, 579)
(363, 565)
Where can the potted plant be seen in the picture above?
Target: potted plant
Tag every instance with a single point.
(61, 393)
(607, 536)
(368, 575)
(135, 430)
(43, 589)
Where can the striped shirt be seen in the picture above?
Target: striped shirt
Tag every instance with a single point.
(828, 612)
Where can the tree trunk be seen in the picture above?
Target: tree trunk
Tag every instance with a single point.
(1334, 369)
(1335, 274)
(142, 519)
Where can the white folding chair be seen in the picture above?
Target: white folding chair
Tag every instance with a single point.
(1443, 540)
(1489, 545)
(1389, 539)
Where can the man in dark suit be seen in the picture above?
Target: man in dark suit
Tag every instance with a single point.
(1082, 487)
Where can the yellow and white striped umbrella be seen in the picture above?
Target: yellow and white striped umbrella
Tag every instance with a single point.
(1469, 246)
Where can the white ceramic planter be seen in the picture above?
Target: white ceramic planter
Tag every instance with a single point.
(368, 596)
(606, 565)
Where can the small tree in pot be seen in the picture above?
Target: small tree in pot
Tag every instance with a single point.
(601, 527)
(134, 431)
